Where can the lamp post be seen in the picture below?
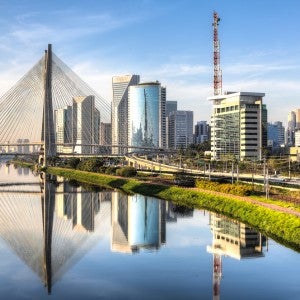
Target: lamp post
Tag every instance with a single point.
(289, 167)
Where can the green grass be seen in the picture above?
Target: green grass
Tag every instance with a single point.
(22, 164)
(282, 227)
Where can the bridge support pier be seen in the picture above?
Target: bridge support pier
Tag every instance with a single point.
(48, 135)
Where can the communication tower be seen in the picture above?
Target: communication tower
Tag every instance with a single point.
(217, 68)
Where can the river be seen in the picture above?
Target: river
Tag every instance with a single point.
(60, 240)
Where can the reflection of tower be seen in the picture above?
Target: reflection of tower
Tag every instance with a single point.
(7, 169)
(137, 222)
(77, 205)
(234, 239)
(37, 224)
(84, 209)
(217, 275)
(48, 200)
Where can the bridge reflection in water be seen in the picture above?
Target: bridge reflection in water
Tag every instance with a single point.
(52, 225)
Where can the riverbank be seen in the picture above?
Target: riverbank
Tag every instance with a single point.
(281, 226)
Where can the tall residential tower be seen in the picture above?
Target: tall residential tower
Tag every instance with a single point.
(119, 112)
(86, 121)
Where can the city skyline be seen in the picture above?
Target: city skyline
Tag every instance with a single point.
(99, 40)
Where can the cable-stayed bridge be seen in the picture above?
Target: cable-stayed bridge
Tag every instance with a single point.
(27, 110)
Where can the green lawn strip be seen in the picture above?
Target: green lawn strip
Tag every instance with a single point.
(291, 205)
(22, 164)
(280, 226)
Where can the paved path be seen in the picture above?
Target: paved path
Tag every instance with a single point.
(253, 201)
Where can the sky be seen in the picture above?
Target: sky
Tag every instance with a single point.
(165, 40)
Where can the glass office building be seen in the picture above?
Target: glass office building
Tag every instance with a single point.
(180, 129)
(146, 114)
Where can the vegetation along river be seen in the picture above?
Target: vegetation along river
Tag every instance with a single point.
(63, 240)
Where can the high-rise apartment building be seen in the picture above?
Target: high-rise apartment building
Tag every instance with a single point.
(170, 107)
(105, 134)
(290, 131)
(105, 137)
(202, 132)
(23, 148)
(146, 115)
(180, 129)
(86, 120)
(297, 138)
(238, 125)
(119, 113)
(292, 126)
(297, 114)
(276, 134)
(63, 129)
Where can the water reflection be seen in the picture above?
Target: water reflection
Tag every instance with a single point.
(51, 226)
(234, 239)
(137, 222)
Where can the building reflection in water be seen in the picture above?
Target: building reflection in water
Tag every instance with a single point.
(232, 238)
(52, 225)
(137, 222)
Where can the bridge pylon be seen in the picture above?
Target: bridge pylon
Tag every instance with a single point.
(48, 148)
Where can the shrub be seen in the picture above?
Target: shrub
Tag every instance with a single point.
(126, 172)
(102, 169)
(90, 164)
(72, 162)
(111, 170)
(181, 179)
(227, 188)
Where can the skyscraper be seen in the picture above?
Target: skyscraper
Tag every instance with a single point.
(105, 137)
(170, 107)
(146, 115)
(85, 120)
(292, 126)
(180, 129)
(297, 114)
(202, 132)
(238, 125)
(119, 117)
(275, 134)
(63, 128)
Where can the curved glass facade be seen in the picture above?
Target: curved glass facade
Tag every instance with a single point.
(144, 115)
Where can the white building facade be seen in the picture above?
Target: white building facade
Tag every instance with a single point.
(119, 114)
(238, 126)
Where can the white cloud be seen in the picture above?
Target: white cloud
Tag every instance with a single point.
(244, 68)
(177, 70)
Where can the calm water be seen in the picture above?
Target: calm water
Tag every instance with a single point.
(62, 241)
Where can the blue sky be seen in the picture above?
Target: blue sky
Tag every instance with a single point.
(165, 40)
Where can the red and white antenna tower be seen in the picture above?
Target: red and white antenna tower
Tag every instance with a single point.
(217, 68)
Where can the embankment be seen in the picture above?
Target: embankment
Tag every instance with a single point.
(281, 226)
